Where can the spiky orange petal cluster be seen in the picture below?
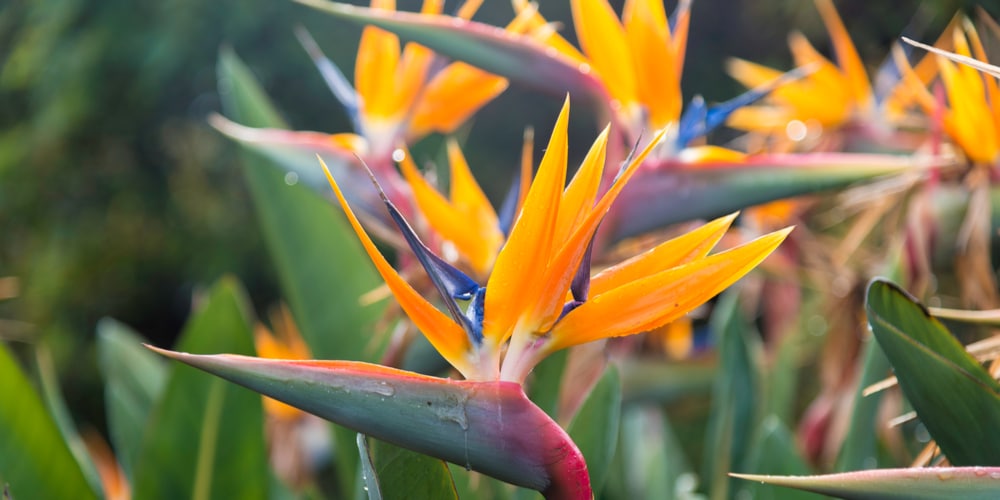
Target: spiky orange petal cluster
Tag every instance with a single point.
(831, 95)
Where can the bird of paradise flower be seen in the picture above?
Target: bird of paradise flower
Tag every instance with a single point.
(539, 298)
(400, 95)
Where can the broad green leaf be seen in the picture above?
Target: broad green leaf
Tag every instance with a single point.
(516, 57)
(205, 437)
(932, 483)
(650, 461)
(733, 419)
(954, 396)
(321, 266)
(32, 451)
(646, 381)
(775, 452)
(403, 473)
(594, 428)
(242, 95)
(490, 427)
(676, 191)
(858, 451)
(133, 381)
(56, 405)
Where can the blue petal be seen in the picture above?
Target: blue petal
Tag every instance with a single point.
(580, 287)
(450, 282)
(475, 313)
(333, 77)
(682, 6)
(888, 75)
(692, 123)
(508, 210)
(700, 119)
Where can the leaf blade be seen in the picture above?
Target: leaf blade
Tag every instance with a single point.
(955, 398)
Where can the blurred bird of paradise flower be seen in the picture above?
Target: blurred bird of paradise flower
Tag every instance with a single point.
(830, 96)
(972, 115)
(539, 296)
(638, 62)
(400, 95)
(638, 59)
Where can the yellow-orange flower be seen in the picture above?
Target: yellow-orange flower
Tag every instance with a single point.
(638, 59)
(397, 90)
(972, 115)
(831, 95)
(539, 296)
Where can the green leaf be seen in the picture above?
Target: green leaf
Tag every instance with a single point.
(56, 405)
(932, 483)
(732, 419)
(675, 191)
(491, 427)
(652, 463)
(321, 266)
(34, 459)
(133, 381)
(594, 428)
(242, 95)
(403, 473)
(517, 57)
(775, 452)
(858, 451)
(368, 471)
(954, 396)
(645, 381)
(205, 437)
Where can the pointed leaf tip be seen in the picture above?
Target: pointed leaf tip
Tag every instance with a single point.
(912, 483)
(478, 425)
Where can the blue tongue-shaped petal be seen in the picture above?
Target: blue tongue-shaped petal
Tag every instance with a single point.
(682, 7)
(508, 210)
(450, 282)
(333, 77)
(699, 119)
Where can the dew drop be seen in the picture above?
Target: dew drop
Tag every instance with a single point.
(381, 387)
(398, 155)
(796, 130)
(291, 178)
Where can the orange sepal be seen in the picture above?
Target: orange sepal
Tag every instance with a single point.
(452, 96)
(603, 39)
(657, 76)
(562, 267)
(847, 55)
(467, 221)
(375, 74)
(660, 298)
(523, 258)
(671, 253)
(444, 334)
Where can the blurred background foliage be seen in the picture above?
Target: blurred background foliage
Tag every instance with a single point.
(117, 199)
